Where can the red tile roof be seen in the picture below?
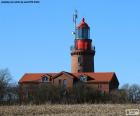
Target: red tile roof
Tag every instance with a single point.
(95, 76)
(65, 73)
(98, 76)
(34, 77)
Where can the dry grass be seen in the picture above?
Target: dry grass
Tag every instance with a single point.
(67, 110)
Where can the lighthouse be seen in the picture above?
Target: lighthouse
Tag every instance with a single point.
(82, 53)
(82, 68)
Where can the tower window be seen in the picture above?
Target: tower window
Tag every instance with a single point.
(79, 60)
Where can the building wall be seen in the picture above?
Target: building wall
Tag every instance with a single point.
(86, 65)
(74, 64)
(113, 85)
(104, 87)
(63, 77)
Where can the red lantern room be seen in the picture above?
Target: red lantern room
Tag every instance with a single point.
(83, 41)
(83, 30)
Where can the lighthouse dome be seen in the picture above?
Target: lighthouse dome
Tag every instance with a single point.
(83, 30)
(83, 24)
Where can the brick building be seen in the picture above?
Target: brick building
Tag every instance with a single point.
(82, 67)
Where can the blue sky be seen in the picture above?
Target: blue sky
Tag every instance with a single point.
(37, 37)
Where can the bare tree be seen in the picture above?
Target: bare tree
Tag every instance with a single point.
(5, 78)
(125, 87)
(134, 93)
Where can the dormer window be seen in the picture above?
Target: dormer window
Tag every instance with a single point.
(83, 78)
(45, 79)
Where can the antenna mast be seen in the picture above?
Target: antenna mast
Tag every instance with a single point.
(75, 16)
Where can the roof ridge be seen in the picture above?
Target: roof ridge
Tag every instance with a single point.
(64, 72)
(91, 72)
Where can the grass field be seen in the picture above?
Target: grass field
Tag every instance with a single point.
(67, 110)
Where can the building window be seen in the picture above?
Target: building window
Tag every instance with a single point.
(60, 82)
(45, 79)
(64, 83)
(83, 78)
(79, 60)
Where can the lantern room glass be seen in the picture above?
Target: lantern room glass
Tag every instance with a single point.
(83, 33)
